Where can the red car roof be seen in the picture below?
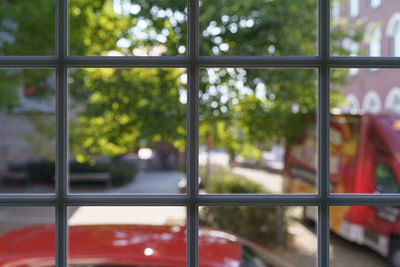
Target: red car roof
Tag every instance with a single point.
(119, 245)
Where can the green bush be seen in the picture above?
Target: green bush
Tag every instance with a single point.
(38, 171)
(265, 226)
(122, 172)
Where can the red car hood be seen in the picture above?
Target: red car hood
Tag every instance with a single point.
(119, 245)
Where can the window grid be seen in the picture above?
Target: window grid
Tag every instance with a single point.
(323, 62)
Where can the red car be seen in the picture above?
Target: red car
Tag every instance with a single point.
(129, 246)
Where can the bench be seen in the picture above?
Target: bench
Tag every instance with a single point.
(15, 176)
(90, 177)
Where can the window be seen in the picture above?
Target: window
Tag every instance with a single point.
(335, 11)
(392, 102)
(393, 32)
(374, 3)
(373, 38)
(371, 102)
(185, 55)
(352, 104)
(353, 8)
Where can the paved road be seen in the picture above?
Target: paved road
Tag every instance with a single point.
(155, 182)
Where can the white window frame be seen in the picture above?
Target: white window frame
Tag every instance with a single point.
(354, 6)
(372, 97)
(323, 199)
(391, 101)
(393, 31)
(373, 37)
(375, 3)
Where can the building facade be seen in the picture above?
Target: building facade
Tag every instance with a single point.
(371, 90)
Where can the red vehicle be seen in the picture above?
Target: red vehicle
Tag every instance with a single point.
(129, 246)
(364, 158)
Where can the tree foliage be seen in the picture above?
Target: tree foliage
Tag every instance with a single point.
(115, 108)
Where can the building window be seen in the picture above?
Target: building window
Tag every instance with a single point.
(352, 104)
(392, 102)
(374, 3)
(352, 47)
(393, 32)
(396, 41)
(372, 103)
(335, 10)
(374, 41)
(353, 8)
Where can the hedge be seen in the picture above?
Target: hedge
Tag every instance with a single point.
(265, 226)
(122, 172)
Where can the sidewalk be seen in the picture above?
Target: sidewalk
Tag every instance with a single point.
(155, 182)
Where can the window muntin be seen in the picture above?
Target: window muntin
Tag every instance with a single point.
(325, 62)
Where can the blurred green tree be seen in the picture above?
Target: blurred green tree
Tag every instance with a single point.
(115, 108)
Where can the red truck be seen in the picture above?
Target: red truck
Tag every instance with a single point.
(365, 159)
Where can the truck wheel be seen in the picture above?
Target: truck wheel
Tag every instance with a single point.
(394, 253)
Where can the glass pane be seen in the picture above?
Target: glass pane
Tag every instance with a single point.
(127, 130)
(27, 146)
(127, 27)
(365, 131)
(27, 236)
(27, 28)
(257, 236)
(258, 28)
(359, 29)
(126, 236)
(364, 236)
(249, 119)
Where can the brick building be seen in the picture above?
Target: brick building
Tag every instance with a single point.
(371, 90)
